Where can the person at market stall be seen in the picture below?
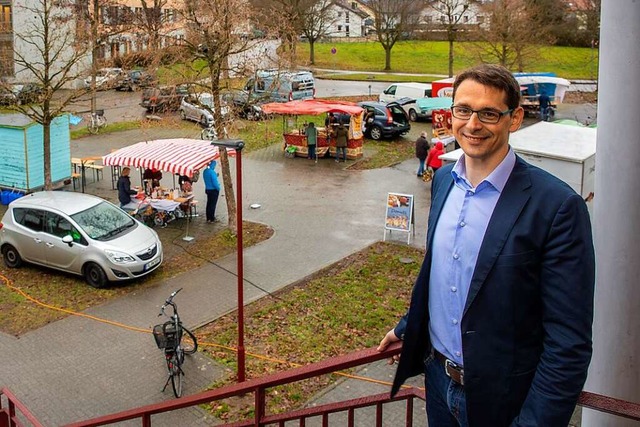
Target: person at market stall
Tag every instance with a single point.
(212, 189)
(422, 150)
(185, 184)
(544, 102)
(312, 140)
(329, 121)
(153, 176)
(433, 159)
(342, 137)
(124, 187)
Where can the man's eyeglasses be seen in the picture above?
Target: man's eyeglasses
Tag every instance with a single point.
(485, 116)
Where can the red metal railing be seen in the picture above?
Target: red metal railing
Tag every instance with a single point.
(259, 386)
(8, 415)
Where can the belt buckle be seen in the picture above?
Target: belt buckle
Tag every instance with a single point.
(449, 364)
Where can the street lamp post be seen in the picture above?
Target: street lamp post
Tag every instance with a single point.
(238, 145)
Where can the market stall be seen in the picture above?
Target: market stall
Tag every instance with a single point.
(179, 156)
(185, 157)
(293, 132)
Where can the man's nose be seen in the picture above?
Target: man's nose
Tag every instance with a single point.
(474, 121)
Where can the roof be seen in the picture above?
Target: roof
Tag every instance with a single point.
(311, 107)
(17, 120)
(180, 156)
(60, 201)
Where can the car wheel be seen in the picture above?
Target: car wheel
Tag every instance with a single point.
(183, 115)
(203, 121)
(376, 133)
(12, 258)
(95, 275)
(413, 116)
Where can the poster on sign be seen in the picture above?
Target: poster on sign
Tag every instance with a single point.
(399, 213)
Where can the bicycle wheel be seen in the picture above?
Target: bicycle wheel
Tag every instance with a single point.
(175, 370)
(92, 126)
(189, 342)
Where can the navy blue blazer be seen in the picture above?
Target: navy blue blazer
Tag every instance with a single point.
(526, 326)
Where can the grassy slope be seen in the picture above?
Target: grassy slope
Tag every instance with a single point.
(426, 57)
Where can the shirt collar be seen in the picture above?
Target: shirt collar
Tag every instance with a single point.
(497, 178)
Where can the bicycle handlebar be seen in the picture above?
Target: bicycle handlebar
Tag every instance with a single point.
(170, 302)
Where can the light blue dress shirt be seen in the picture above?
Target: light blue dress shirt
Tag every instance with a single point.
(456, 243)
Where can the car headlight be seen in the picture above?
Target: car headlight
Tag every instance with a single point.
(119, 257)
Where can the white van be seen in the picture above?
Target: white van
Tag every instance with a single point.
(406, 90)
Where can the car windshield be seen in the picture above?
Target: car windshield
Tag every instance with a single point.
(103, 221)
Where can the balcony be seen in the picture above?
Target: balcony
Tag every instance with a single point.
(374, 407)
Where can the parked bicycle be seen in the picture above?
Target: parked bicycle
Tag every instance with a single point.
(210, 133)
(176, 341)
(96, 121)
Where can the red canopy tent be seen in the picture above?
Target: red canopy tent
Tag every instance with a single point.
(296, 137)
(312, 107)
(180, 156)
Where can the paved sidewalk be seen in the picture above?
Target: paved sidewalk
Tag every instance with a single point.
(76, 368)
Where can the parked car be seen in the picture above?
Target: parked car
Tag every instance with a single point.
(386, 120)
(163, 98)
(18, 94)
(29, 93)
(7, 95)
(244, 104)
(198, 107)
(80, 234)
(133, 80)
(105, 78)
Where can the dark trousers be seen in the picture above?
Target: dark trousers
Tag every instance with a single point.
(312, 151)
(212, 201)
(446, 403)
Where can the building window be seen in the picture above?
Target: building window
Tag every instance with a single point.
(339, 27)
(466, 19)
(428, 19)
(346, 30)
(346, 17)
(6, 39)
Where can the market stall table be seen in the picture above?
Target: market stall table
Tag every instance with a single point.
(82, 164)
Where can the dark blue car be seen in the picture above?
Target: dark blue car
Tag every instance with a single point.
(383, 120)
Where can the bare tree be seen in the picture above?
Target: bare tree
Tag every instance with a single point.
(285, 19)
(217, 32)
(394, 20)
(512, 35)
(317, 20)
(451, 12)
(53, 56)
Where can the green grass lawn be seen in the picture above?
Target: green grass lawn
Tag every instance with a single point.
(429, 57)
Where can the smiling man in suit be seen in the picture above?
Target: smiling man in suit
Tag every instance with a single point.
(501, 312)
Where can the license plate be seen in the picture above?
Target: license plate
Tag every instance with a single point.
(152, 264)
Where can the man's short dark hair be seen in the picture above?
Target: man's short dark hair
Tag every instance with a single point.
(495, 76)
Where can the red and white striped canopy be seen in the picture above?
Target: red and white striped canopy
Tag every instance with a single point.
(181, 156)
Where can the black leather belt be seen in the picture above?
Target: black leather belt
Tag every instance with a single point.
(451, 368)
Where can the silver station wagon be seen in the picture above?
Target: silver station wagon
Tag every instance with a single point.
(80, 234)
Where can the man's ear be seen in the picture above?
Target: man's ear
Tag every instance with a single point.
(517, 116)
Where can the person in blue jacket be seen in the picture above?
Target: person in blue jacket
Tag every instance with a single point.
(212, 188)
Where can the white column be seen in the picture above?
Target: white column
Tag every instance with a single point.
(615, 368)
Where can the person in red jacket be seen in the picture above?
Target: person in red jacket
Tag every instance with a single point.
(433, 161)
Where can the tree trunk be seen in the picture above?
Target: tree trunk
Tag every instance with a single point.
(228, 191)
(47, 155)
(312, 56)
(387, 59)
(450, 55)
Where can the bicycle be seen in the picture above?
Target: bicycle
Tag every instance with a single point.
(176, 341)
(210, 133)
(96, 121)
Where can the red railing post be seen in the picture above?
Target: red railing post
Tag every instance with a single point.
(260, 405)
